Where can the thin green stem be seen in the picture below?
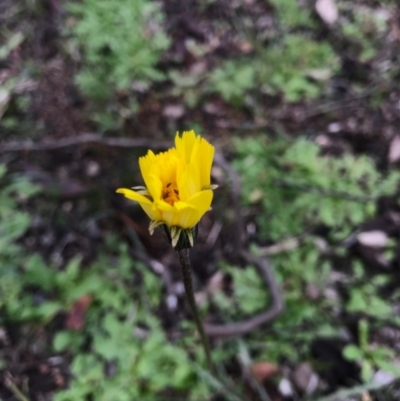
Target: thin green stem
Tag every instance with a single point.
(187, 280)
(14, 389)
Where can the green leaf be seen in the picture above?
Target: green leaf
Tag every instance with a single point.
(352, 353)
(38, 273)
(61, 341)
(48, 310)
(3, 170)
(366, 371)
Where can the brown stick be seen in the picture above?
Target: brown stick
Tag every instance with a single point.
(83, 139)
(246, 326)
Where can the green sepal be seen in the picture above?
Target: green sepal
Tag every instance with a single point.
(154, 224)
(211, 186)
(142, 191)
(178, 237)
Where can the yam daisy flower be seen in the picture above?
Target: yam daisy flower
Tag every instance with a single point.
(177, 191)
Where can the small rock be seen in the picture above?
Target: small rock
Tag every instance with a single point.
(213, 109)
(302, 375)
(312, 292)
(374, 239)
(172, 302)
(198, 68)
(327, 10)
(67, 206)
(244, 46)
(140, 87)
(334, 128)
(92, 169)
(394, 150)
(383, 378)
(285, 388)
(323, 140)
(173, 111)
(4, 100)
(305, 379)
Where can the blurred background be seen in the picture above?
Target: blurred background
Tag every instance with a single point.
(301, 99)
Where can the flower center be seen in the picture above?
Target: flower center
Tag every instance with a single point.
(170, 193)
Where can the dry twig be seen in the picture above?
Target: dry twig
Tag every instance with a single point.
(83, 139)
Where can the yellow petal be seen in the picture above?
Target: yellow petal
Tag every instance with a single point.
(201, 201)
(154, 186)
(148, 166)
(196, 151)
(206, 156)
(128, 193)
(180, 214)
(144, 202)
(188, 181)
(146, 163)
(186, 214)
(185, 144)
(187, 167)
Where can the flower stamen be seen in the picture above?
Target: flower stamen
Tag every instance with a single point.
(171, 193)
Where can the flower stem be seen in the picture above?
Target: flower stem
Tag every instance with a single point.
(187, 280)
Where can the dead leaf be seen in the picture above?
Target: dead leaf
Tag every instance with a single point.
(394, 150)
(305, 379)
(327, 10)
(323, 140)
(320, 75)
(198, 68)
(264, 370)
(213, 108)
(374, 239)
(216, 282)
(76, 316)
(173, 111)
(366, 396)
(244, 46)
(4, 100)
(334, 128)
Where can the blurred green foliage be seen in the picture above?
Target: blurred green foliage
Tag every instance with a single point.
(232, 80)
(370, 356)
(295, 270)
(290, 14)
(295, 187)
(122, 352)
(14, 221)
(129, 356)
(118, 45)
(293, 63)
(364, 28)
(367, 293)
(297, 66)
(126, 339)
(247, 287)
(120, 42)
(122, 349)
(284, 183)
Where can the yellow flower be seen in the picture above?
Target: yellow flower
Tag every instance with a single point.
(178, 190)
